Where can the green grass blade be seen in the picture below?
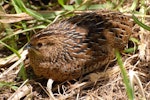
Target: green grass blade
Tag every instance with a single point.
(25, 30)
(140, 23)
(101, 6)
(17, 9)
(18, 4)
(134, 5)
(134, 40)
(22, 72)
(68, 7)
(12, 49)
(78, 2)
(126, 81)
(61, 2)
(130, 50)
(8, 84)
(34, 14)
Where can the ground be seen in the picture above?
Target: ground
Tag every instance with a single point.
(107, 84)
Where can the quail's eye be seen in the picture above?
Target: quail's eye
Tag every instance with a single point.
(39, 45)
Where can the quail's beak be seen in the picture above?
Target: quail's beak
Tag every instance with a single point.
(32, 48)
(28, 46)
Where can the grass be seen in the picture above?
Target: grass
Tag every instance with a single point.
(12, 34)
(125, 77)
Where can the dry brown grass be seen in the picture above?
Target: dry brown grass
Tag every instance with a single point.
(100, 85)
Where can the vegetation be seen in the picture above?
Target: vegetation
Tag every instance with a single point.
(20, 19)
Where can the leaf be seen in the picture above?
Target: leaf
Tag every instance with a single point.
(78, 2)
(61, 2)
(68, 7)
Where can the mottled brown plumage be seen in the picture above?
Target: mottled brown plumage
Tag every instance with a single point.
(78, 45)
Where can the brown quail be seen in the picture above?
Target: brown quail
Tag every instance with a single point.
(79, 45)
